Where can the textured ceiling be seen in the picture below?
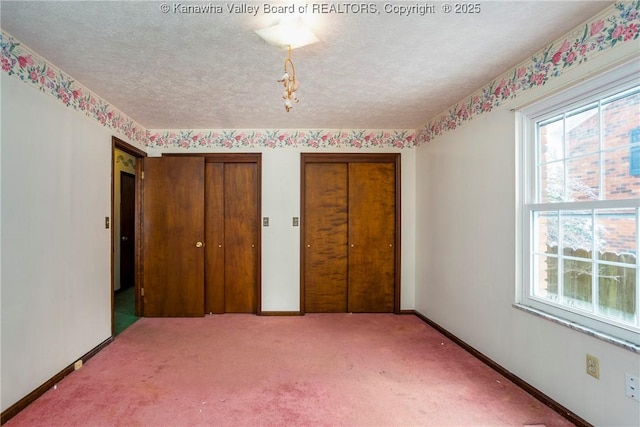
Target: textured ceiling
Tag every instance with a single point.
(211, 71)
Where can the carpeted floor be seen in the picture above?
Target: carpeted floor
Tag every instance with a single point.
(318, 369)
(124, 309)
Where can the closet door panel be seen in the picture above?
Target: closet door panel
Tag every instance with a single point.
(173, 262)
(241, 237)
(371, 237)
(214, 231)
(325, 245)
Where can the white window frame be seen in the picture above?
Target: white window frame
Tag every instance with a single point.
(606, 84)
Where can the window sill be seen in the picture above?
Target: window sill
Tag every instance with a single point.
(635, 348)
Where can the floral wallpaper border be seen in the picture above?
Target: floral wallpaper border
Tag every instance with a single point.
(619, 24)
(18, 60)
(282, 138)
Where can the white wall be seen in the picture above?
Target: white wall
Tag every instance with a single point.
(281, 241)
(466, 271)
(56, 193)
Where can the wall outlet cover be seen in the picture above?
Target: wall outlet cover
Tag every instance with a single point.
(632, 384)
(593, 366)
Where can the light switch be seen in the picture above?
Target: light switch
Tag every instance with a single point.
(265, 221)
(106, 222)
(296, 222)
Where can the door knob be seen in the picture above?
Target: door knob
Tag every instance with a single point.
(352, 245)
(219, 246)
(124, 238)
(308, 246)
(199, 244)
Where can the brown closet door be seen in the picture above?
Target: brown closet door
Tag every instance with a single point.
(173, 261)
(371, 237)
(325, 231)
(214, 229)
(241, 237)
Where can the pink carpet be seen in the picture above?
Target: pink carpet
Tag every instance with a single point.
(318, 369)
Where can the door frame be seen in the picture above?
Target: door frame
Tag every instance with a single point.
(240, 158)
(139, 155)
(353, 158)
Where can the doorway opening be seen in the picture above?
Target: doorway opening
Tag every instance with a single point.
(125, 209)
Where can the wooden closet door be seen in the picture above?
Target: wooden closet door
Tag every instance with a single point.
(371, 237)
(325, 235)
(173, 236)
(214, 231)
(241, 237)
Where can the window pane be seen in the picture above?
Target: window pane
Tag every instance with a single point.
(546, 232)
(617, 292)
(545, 282)
(619, 183)
(583, 180)
(551, 182)
(577, 233)
(619, 117)
(550, 136)
(616, 234)
(583, 254)
(577, 284)
(582, 131)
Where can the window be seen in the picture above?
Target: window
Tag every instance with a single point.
(581, 201)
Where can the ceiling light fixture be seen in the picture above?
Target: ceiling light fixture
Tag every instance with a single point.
(290, 83)
(291, 33)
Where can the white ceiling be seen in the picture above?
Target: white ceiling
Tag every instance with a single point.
(211, 71)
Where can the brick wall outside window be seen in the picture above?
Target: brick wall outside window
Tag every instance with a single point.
(582, 163)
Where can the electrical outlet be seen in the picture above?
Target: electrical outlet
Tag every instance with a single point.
(632, 387)
(265, 221)
(593, 366)
(77, 365)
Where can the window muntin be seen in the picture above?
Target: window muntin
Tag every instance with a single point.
(581, 151)
(568, 272)
(583, 213)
